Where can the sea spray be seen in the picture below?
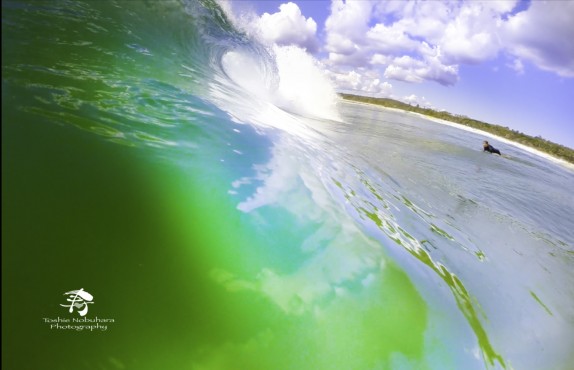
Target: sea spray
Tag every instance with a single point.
(303, 87)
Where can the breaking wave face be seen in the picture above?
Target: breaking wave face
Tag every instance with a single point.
(294, 82)
(241, 68)
(285, 76)
(315, 234)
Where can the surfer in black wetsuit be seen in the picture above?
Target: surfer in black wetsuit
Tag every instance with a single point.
(489, 148)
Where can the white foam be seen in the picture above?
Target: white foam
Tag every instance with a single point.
(248, 72)
(303, 86)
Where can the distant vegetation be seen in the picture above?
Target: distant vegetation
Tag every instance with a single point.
(537, 142)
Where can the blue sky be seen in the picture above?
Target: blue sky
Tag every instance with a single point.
(504, 62)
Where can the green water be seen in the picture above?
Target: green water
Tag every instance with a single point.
(168, 257)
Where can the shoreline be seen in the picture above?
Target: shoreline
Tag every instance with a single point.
(476, 131)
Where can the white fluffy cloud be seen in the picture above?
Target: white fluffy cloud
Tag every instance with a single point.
(544, 35)
(408, 69)
(517, 66)
(367, 42)
(361, 80)
(347, 25)
(429, 40)
(472, 37)
(390, 40)
(286, 27)
(417, 100)
(399, 40)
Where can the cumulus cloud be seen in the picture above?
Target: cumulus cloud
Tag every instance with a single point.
(517, 66)
(429, 40)
(471, 37)
(417, 100)
(347, 25)
(390, 40)
(380, 59)
(357, 59)
(367, 43)
(364, 80)
(466, 32)
(289, 27)
(429, 67)
(408, 69)
(406, 41)
(421, 19)
(543, 35)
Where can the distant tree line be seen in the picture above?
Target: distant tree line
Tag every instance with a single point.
(537, 142)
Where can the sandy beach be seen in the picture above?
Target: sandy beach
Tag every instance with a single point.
(471, 129)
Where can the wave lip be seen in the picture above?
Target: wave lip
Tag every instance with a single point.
(297, 84)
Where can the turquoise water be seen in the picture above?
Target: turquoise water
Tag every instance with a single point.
(176, 170)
